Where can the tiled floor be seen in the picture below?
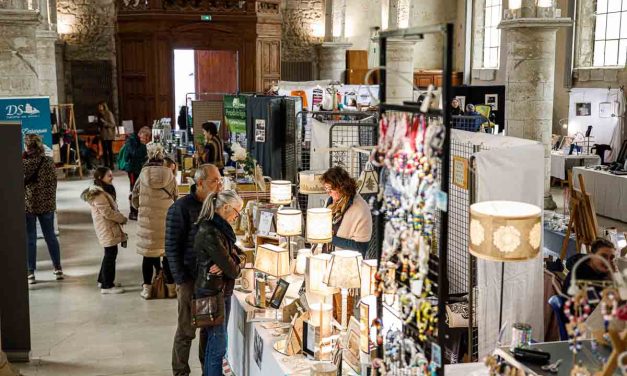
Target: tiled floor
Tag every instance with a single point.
(76, 330)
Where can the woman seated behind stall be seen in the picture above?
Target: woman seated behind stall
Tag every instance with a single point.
(592, 269)
(352, 220)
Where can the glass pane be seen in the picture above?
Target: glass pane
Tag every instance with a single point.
(602, 6)
(487, 38)
(613, 26)
(599, 30)
(486, 58)
(611, 52)
(622, 52)
(494, 57)
(495, 37)
(599, 53)
(624, 5)
(496, 16)
(613, 5)
(489, 3)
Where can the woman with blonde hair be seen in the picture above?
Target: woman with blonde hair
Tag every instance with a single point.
(154, 192)
(218, 265)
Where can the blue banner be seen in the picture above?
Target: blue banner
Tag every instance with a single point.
(32, 112)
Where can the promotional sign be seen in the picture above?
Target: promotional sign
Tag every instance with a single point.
(32, 112)
(235, 113)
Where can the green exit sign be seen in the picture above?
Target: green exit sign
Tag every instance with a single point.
(205, 17)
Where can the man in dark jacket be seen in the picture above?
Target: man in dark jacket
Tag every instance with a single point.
(179, 248)
(135, 158)
(592, 269)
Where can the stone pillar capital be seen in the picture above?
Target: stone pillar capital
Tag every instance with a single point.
(19, 16)
(541, 23)
(332, 60)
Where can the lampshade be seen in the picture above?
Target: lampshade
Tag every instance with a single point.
(280, 192)
(310, 182)
(289, 222)
(319, 225)
(344, 270)
(272, 260)
(301, 260)
(321, 315)
(505, 230)
(316, 268)
(368, 270)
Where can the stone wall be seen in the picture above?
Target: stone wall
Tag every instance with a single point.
(303, 28)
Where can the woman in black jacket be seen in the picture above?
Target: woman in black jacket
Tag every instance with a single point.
(218, 265)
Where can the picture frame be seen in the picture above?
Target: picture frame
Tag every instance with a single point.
(352, 344)
(364, 328)
(337, 356)
(492, 100)
(311, 336)
(606, 110)
(265, 220)
(583, 109)
(460, 172)
(279, 293)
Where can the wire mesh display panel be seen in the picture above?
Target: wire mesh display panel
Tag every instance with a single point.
(468, 123)
(351, 145)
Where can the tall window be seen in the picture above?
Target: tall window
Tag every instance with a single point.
(610, 33)
(491, 33)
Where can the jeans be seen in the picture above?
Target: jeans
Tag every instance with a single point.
(46, 221)
(216, 343)
(107, 153)
(154, 263)
(107, 269)
(185, 332)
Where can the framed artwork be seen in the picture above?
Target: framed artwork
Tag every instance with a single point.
(279, 293)
(492, 100)
(606, 110)
(265, 220)
(583, 109)
(260, 130)
(364, 327)
(351, 353)
(258, 349)
(311, 336)
(460, 172)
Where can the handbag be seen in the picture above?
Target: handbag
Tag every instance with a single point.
(208, 311)
(368, 181)
(159, 289)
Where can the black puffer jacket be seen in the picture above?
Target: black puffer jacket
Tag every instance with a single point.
(215, 245)
(180, 232)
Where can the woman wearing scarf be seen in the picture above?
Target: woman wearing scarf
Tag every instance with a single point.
(352, 220)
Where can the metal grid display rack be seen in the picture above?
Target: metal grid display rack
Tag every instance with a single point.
(438, 264)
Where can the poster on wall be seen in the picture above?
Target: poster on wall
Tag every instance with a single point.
(260, 130)
(583, 109)
(32, 112)
(492, 100)
(235, 113)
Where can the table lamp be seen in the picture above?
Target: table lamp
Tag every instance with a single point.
(310, 182)
(301, 261)
(368, 283)
(314, 276)
(344, 272)
(319, 225)
(272, 260)
(280, 192)
(505, 231)
(289, 223)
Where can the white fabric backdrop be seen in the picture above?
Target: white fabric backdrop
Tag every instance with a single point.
(512, 169)
(602, 128)
(620, 131)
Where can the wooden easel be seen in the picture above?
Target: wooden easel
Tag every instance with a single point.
(57, 108)
(583, 218)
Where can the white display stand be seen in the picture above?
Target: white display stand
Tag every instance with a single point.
(509, 169)
(562, 163)
(608, 191)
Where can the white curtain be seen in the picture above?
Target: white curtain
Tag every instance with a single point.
(620, 133)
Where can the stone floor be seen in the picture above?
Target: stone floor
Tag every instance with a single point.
(77, 331)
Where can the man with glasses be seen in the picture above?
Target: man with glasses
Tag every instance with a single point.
(179, 248)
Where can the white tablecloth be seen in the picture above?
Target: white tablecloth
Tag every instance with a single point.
(608, 191)
(561, 164)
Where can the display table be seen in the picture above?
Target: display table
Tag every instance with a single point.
(553, 241)
(608, 191)
(241, 351)
(558, 350)
(561, 163)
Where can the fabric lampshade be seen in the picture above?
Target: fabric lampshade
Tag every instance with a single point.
(301, 260)
(272, 260)
(344, 270)
(310, 182)
(289, 222)
(280, 192)
(314, 276)
(319, 225)
(368, 270)
(505, 230)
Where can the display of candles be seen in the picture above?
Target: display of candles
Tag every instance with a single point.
(280, 192)
(319, 225)
(301, 260)
(322, 315)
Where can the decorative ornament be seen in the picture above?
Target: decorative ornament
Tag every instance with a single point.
(506, 239)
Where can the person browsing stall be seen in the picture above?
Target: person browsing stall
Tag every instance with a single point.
(352, 220)
(214, 148)
(592, 269)
(180, 232)
(218, 265)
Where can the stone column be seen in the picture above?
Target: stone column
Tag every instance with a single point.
(46, 64)
(428, 54)
(399, 75)
(332, 60)
(530, 72)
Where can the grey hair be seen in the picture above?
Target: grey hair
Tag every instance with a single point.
(215, 201)
(144, 130)
(202, 172)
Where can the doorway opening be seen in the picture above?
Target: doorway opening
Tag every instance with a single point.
(202, 75)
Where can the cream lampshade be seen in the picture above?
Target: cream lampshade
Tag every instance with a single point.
(344, 272)
(272, 260)
(280, 192)
(368, 270)
(301, 260)
(289, 222)
(505, 230)
(310, 182)
(322, 315)
(319, 225)
(316, 269)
